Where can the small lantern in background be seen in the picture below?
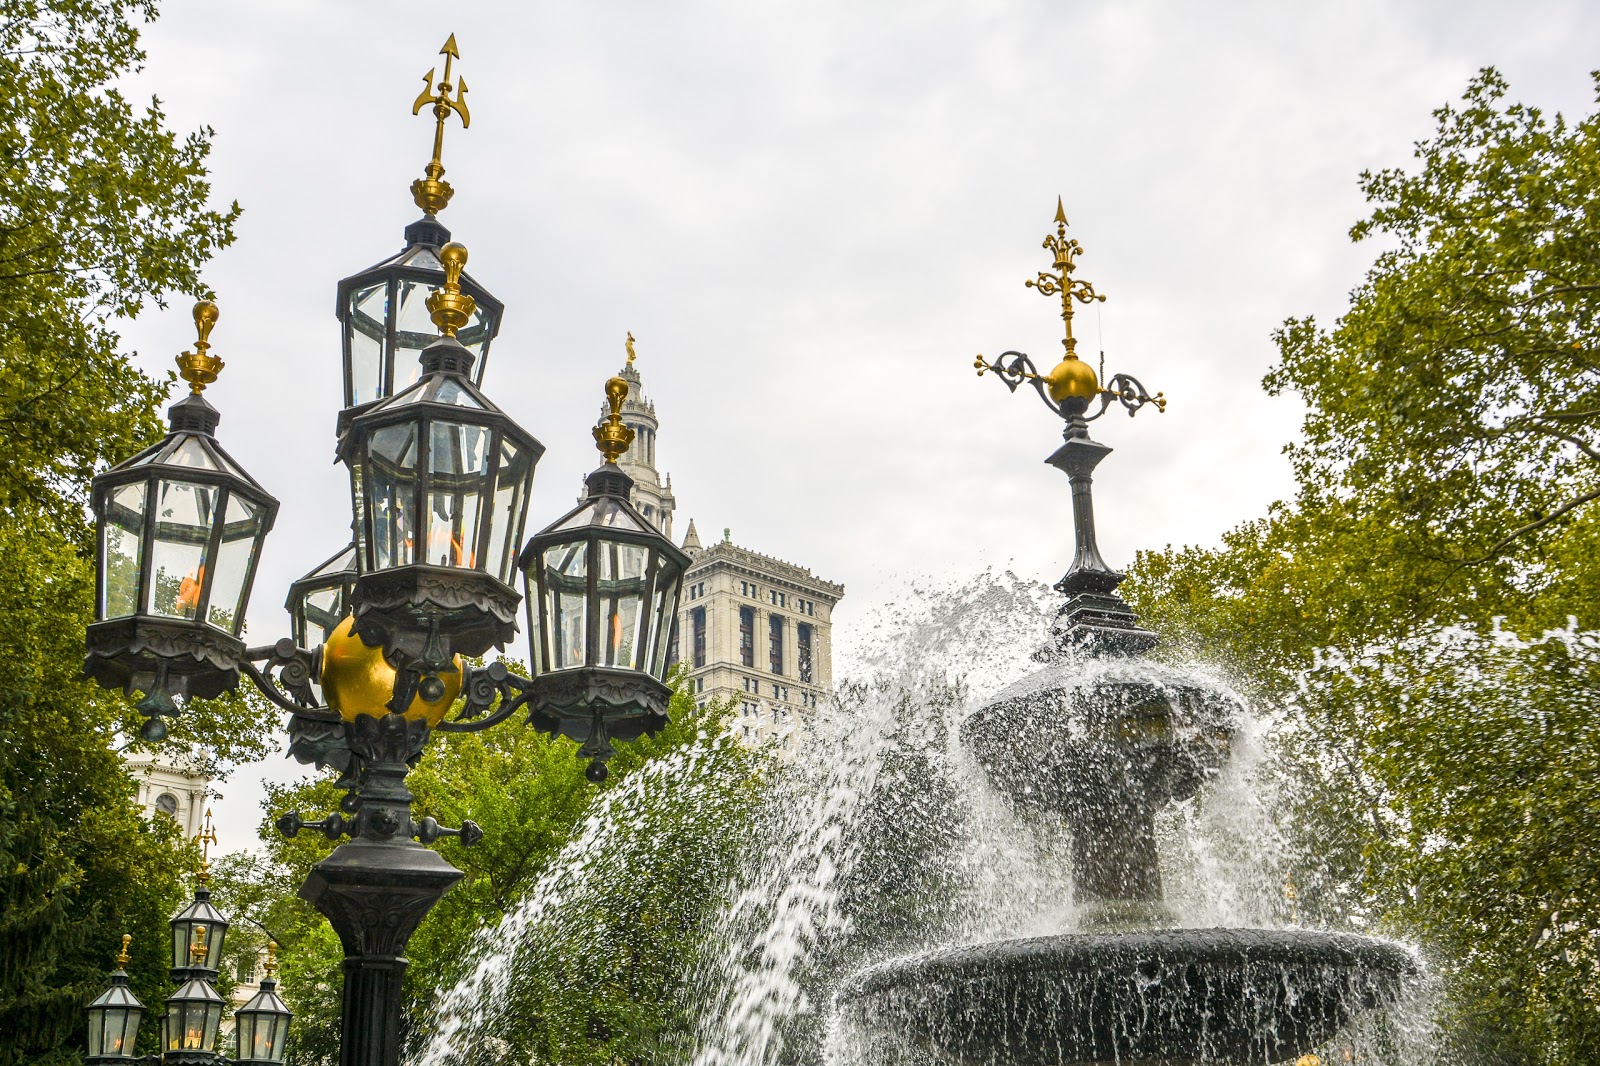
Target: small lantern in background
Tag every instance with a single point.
(115, 1015)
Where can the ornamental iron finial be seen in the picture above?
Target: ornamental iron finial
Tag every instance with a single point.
(1071, 387)
(206, 838)
(431, 192)
(123, 958)
(450, 307)
(611, 436)
(199, 367)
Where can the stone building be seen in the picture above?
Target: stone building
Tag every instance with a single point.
(174, 787)
(751, 628)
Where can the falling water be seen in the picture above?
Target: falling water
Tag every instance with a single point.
(878, 837)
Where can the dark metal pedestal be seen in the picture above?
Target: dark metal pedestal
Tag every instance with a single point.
(375, 893)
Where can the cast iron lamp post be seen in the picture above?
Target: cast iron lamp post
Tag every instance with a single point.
(440, 479)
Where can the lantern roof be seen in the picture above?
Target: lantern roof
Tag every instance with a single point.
(266, 1001)
(420, 261)
(118, 995)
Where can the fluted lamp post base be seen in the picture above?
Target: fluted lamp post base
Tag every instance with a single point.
(375, 894)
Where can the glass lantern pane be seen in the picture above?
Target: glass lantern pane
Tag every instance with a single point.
(122, 533)
(225, 609)
(191, 453)
(393, 503)
(369, 311)
(184, 513)
(663, 612)
(622, 589)
(414, 331)
(458, 485)
(324, 610)
(244, 1031)
(566, 582)
(510, 509)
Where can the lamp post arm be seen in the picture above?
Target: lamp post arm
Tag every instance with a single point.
(492, 694)
(286, 677)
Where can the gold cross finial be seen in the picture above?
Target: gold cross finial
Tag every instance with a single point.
(450, 307)
(611, 436)
(629, 346)
(431, 192)
(200, 368)
(1066, 251)
(123, 958)
(206, 838)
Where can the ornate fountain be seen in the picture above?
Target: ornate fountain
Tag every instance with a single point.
(1101, 740)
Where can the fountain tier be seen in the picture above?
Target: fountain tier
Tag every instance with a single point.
(1171, 997)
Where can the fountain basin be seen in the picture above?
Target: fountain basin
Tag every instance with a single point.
(1172, 996)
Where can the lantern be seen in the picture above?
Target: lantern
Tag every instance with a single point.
(383, 315)
(319, 601)
(262, 1024)
(114, 1016)
(439, 480)
(189, 1028)
(197, 934)
(602, 588)
(180, 528)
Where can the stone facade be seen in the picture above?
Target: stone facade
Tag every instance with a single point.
(751, 628)
(172, 787)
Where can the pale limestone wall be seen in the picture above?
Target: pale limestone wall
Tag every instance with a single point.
(189, 788)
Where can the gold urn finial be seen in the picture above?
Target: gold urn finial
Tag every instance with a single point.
(1072, 377)
(271, 965)
(123, 958)
(450, 307)
(611, 436)
(431, 192)
(199, 367)
(205, 838)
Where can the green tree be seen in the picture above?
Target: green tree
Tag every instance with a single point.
(1446, 475)
(606, 976)
(102, 212)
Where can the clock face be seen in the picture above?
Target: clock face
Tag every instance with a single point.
(167, 803)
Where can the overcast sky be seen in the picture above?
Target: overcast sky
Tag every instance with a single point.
(812, 216)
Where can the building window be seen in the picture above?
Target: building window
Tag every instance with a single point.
(776, 598)
(775, 642)
(699, 685)
(802, 648)
(697, 620)
(747, 636)
(672, 645)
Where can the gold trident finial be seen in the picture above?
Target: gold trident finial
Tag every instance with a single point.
(1066, 251)
(611, 436)
(432, 193)
(271, 966)
(123, 957)
(450, 307)
(205, 838)
(200, 368)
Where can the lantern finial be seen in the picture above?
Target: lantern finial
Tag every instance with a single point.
(205, 838)
(611, 436)
(123, 958)
(431, 192)
(450, 307)
(200, 368)
(197, 950)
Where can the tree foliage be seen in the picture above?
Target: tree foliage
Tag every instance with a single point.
(102, 212)
(1446, 474)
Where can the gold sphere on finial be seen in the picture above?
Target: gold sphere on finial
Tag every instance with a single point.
(358, 680)
(200, 368)
(123, 958)
(271, 965)
(449, 307)
(1072, 378)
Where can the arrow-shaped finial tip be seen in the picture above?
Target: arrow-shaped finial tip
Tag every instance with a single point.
(449, 48)
(1061, 212)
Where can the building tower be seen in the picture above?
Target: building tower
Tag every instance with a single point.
(175, 786)
(751, 628)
